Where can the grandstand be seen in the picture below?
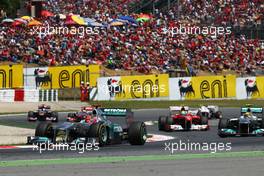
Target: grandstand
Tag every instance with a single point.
(142, 47)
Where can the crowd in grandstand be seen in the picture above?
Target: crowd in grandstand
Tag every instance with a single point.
(143, 47)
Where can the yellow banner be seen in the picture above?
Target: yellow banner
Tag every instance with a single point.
(146, 86)
(205, 87)
(257, 91)
(11, 76)
(71, 76)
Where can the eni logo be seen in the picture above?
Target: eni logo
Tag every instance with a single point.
(4, 74)
(148, 88)
(216, 85)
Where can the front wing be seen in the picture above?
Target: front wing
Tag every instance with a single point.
(193, 127)
(232, 132)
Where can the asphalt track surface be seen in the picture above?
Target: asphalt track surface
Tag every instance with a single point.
(199, 166)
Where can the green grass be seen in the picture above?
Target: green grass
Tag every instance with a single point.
(112, 159)
(165, 104)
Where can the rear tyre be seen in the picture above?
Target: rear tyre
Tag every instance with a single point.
(162, 122)
(223, 123)
(169, 121)
(30, 114)
(44, 129)
(204, 120)
(218, 115)
(56, 116)
(262, 123)
(137, 133)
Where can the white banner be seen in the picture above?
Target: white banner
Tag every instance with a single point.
(178, 87)
(7, 95)
(31, 95)
(107, 87)
(34, 77)
(248, 87)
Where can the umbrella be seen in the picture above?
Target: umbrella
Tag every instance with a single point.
(89, 20)
(20, 20)
(128, 18)
(62, 16)
(27, 18)
(116, 23)
(142, 19)
(79, 20)
(34, 23)
(8, 20)
(69, 20)
(17, 23)
(46, 13)
(144, 16)
(95, 24)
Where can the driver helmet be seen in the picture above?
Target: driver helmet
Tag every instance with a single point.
(247, 114)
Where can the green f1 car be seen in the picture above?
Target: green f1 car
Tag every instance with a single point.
(105, 126)
(250, 123)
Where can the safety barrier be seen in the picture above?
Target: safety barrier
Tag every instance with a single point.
(157, 87)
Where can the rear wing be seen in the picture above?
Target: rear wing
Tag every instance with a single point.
(120, 116)
(178, 108)
(255, 110)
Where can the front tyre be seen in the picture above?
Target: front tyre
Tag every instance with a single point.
(44, 129)
(137, 133)
(162, 123)
(99, 131)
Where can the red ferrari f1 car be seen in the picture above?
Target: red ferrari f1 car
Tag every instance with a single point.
(183, 119)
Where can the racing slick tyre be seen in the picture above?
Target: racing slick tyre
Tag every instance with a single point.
(218, 115)
(204, 120)
(44, 129)
(169, 121)
(55, 115)
(30, 114)
(223, 123)
(262, 123)
(162, 122)
(137, 133)
(99, 131)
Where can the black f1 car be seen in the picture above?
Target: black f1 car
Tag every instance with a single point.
(250, 123)
(106, 126)
(43, 113)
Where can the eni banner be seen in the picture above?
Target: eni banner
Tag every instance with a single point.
(202, 87)
(11, 76)
(133, 87)
(61, 77)
(250, 87)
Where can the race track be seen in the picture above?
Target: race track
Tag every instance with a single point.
(238, 144)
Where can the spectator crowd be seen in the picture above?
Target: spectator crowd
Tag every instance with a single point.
(143, 47)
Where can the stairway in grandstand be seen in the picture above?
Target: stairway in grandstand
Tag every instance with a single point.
(22, 11)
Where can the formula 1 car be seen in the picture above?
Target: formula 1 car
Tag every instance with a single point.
(181, 118)
(108, 126)
(250, 123)
(81, 115)
(212, 110)
(43, 113)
